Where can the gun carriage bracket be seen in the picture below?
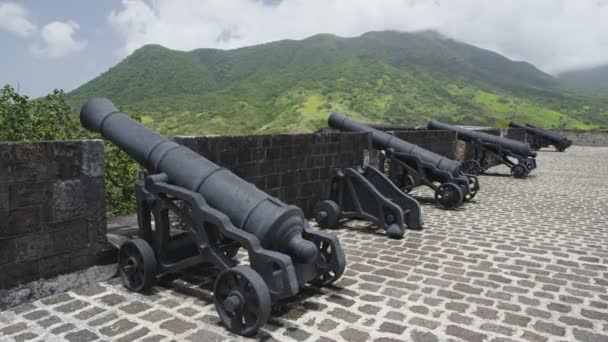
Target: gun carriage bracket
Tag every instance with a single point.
(367, 194)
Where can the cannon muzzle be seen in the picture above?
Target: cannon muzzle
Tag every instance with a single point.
(278, 226)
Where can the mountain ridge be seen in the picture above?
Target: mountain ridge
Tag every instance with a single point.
(291, 85)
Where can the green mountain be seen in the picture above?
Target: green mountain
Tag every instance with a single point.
(380, 77)
(592, 78)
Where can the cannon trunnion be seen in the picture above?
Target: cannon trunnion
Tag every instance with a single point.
(491, 150)
(412, 166)
(539, 138)
(222, 213)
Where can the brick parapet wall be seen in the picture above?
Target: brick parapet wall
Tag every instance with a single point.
(518, 134)
(52, 209)
(587, 138)
(295, 168)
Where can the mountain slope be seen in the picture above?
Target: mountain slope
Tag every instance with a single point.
(593, 78)
(290, 86)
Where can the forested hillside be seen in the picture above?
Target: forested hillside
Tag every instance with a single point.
(381, 77)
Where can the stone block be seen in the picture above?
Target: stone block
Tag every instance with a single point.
(32, 247)
(68, 200)
(14, 274)
(7, 251)
(93, 158)
(20, 221)
(29, 194)
(69, 236)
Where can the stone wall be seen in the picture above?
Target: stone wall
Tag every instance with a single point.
(587, 138)
(440, 142)
(464, 150)
(295, 168)
(518, 134)
(52, 209)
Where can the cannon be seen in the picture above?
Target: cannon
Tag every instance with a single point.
(222, 213)
(490, 150)
(539, 138)
(367, 194)
(412, 166)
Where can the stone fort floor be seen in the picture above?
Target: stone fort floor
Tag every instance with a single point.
(526, 261)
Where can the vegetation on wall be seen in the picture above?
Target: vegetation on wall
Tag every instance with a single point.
(51, 118)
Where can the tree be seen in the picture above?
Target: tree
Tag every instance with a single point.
(51, 118)
(48, 118)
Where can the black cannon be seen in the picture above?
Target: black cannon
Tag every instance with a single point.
(222, 213)
(490, 150)
(539, 138)
(367, 194)
(412, 166)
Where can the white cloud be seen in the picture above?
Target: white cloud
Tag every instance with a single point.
(14, 19)
(58, 40)
(553, 34)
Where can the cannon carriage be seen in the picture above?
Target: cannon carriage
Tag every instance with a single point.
(367, 194)
(539, 138)
(490, 150)
(222, 213)
(412, 166)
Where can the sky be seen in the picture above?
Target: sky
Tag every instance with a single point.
(65, 43)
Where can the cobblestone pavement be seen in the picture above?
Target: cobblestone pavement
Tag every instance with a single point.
(527, 261)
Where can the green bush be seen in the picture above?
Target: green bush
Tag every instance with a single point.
(51, 118)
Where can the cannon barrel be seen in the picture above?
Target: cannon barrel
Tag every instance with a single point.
(547, 133)
(469, 135)
(278, 226)
(384, 141)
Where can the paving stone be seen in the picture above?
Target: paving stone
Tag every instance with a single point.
(135, 307)
(156, 315)
(423, 336)
(327, 325)
(26, 336)
(514, 319)
(424, 323)
(392, 328)
(583, 323)
(550, 328)
(134, 335)
(354, 335)
(205, 335)
(465, 334)
(177, 326)
(56, 299)
(13, 329)
(155, 338)
(88, 313)
(72, 306)
(118, 327)
(588, 336)
(81, 336)
(36, 315)
(595, 314)
(50, 321)
(296, 334)
(103, 319)
(63, 328)
(345, 315)
(113, 299)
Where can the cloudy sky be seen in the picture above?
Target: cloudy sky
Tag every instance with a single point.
(64, 43)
